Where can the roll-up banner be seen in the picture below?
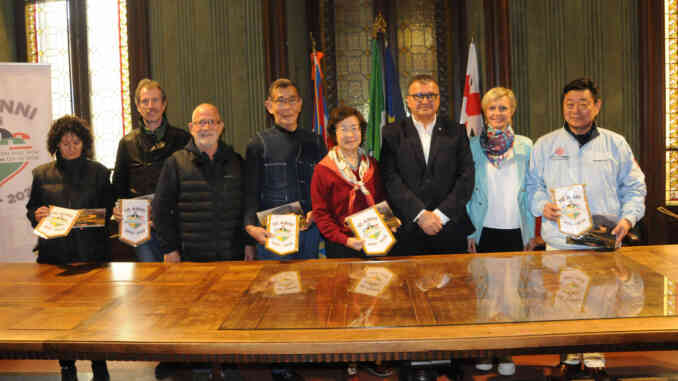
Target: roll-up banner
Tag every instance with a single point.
(25, 117)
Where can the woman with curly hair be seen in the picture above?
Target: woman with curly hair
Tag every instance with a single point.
(72, 181)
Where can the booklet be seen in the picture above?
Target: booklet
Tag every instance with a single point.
(285, 233)
(291, 208)
(58, 222)
(575, 216)
(91, 218)
(369, 226)
(135, 227)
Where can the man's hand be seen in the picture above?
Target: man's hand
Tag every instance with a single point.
(621, 230)
(172, 257)
(429, 223)
(41, 213)
(472, 246)
(551, 211)
(308, 220)
(355, 244)
(249, 252)
(258, 233)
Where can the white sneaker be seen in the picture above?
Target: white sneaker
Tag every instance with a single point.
(506, 367)
(572, 359)
(484, 364)
(595, 360)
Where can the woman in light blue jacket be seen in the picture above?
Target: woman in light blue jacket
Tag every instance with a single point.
(498, 207)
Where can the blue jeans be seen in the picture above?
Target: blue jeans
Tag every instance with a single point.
(309, 240)
(149, 251)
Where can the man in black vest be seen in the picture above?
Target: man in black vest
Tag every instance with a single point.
(142, 153)
(199, 201)
(427, 169)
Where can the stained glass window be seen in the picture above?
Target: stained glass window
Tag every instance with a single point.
(108, 76)
(671, 54)
(416, 51)
(47, 26)
(108, 61)
(416, 40)
(353, 21)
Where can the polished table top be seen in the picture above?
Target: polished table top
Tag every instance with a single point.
(333, 310)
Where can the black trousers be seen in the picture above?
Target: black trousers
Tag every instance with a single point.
(414, 241)
(335, 250)
(496, 240)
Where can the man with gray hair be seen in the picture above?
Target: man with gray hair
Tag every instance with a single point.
(142, 153)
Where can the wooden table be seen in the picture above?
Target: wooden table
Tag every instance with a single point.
(435, 307)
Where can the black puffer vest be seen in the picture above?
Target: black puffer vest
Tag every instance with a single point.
(210, 205)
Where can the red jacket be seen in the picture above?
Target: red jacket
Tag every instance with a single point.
(330, 195)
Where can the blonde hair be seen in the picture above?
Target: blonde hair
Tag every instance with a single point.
(498, 92)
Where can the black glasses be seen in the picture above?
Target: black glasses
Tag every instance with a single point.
(421, 96)
(289, 101)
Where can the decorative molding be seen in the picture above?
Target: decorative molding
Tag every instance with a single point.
(651, 85)
(328, 43)
(441, 28)
(77, 29)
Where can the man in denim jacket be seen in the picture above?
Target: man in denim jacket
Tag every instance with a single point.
(279, 167)
(583, 153)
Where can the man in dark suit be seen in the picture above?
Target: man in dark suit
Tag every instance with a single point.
(428, 174)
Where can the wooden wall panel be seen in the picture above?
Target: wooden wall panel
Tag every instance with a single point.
(7, 32)
(556, 41)
(211, 51)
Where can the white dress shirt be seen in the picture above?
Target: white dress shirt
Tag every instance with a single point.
(425, 134)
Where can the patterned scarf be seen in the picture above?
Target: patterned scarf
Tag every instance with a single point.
(339, 165)
(497, 144)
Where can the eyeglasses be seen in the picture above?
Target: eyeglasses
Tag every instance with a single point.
(289, 101)
(207, 122)
(421, 96)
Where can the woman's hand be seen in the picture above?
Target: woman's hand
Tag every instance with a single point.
(355, 244)
(471, 246)
(531, 244)
(41, 213)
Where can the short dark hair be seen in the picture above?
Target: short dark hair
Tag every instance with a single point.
(148, 84)
(581, 84)
(73, 125)
(281, 83)
(421, 78)
(340, 113)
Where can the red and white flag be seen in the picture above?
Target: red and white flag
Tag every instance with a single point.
(470, 107)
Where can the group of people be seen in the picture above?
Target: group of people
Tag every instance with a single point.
(451, 194)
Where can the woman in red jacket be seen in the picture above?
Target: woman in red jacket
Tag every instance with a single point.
(346, 181)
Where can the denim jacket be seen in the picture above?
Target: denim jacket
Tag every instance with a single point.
(615, 184)
(477, 206)
(288, 179)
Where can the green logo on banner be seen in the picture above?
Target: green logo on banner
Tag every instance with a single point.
(12, 164)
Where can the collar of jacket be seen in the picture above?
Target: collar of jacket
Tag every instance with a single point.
(158, 133)
(587, 137)
(223, 153)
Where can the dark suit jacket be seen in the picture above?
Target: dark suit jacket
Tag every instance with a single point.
(446, 183)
